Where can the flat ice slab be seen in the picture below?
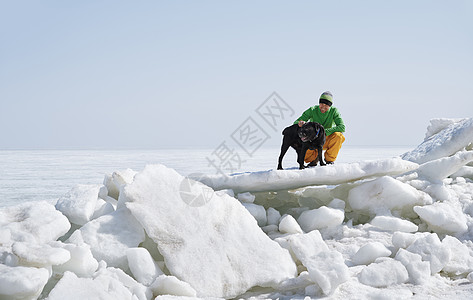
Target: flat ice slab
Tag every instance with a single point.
(274, 180)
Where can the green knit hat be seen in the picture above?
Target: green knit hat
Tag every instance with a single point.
(326, 98)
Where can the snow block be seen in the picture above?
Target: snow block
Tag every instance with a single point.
(465, 171)
(258, 212)
(33, 222)
(404, 239)
(82, 262)
(144, 268)
(78, 205)
(110, 236)
(461, 261)
(22, 282)
(320, 218)
(170, 285)
(208, 240)
(304, 246)
(326, 267)
(448, 141)
(443, 217)
(386, 194)
(328, 270)
(109, 277)
(393, 224)
(441, 168)
(72, 287)
(438, 124)
(383, 274)
(39, 255)
(369, 253)
(115, 181)
(432, 250)
(289, 225)
(419, 271)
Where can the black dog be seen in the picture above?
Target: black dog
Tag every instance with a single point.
(310, 136)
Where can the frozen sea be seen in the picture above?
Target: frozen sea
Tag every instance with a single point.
(35, 175)
(382, 223)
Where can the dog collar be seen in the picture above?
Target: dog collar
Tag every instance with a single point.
(316, 135)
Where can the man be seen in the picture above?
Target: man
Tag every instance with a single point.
(331, 120)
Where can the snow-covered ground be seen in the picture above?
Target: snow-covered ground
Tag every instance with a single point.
(392, 228)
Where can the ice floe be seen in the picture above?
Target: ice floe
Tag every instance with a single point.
(390, 228)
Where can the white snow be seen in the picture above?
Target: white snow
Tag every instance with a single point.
(438, 124)
(289, 225)
(22, 282)
(39, 255)
(418, 270)
(453, 138)
(78, 205)
(385, 229)
(110, 236)
(390, 223)
(384, 273)
(465, 171)
(436, 170)
(386, 195)
(115, 181)
(431, 249)
(320, 218)
(461, 262)
(328, 270)
(275, 180)
(171, 285)
(37, 222)
(304, 246)
(81, 261)
(325, 267)
(443, 217)
(369, 253)
(142, 265)
(105, 284)
(207, 246)
(258, 212)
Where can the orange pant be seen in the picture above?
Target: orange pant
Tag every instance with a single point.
(332, 145)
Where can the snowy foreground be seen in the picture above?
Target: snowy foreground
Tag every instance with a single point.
(388, 229)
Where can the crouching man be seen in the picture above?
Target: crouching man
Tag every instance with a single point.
(329, 117)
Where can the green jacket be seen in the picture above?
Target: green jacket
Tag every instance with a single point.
(330, 120)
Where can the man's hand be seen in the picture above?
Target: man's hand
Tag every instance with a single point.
(301, 123)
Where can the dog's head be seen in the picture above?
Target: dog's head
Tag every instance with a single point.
(308, 132)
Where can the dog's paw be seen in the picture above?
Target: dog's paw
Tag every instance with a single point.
(313, 163)
(280, 168)
(301, 167)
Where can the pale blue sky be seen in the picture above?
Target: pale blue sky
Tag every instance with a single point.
(167, 74)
